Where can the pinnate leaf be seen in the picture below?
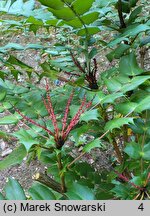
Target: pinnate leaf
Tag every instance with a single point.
(118, 123)
(94, 144)
(41, 192)
(14, 158)
(14, 190)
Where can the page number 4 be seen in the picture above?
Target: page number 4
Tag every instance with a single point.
(141, 207)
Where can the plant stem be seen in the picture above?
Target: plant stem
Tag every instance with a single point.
(125, 133)
(48, 181)
(62, 176)
(116, 148)
(122, 23)
(88, 61)
(142, 56)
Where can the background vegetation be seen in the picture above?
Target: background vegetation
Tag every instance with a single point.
(73, 104)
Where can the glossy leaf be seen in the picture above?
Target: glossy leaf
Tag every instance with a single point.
(118, 52)
(133, 149)
(11, 119)
(87, 19)
(77, 191)
(146, 152)
(94, 144)
(65, 13)
(83, 6)
(128, 65)
(90, 115)
(2, 93)
(57, 4)
(118, 123)
(26, 139)
(125, 108)
(16, 157)
(111, 98)
(2, 197)
(135, 29)
(90, 30)
(143, 104)
(14, 190)
(134, 14)
(15, 61)
(41, 192)
(134, 83)
(121, 191)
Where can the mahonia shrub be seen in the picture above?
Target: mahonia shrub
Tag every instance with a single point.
(110, 106)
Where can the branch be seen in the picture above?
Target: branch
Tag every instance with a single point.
(48, 181)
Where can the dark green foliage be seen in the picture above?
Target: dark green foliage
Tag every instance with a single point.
(119, 112)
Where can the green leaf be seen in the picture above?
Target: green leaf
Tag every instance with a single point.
(49, 71)
(134, 14)
(134, 83)
(117, 40)
(113, 85)
(143, 104)
(90, 17)
(14, 190)
(26, 139)
(15, 61)
(4, 135)
(57, 4)
(111, 98)
(87, 19)
(90, 115)
(133, 149)
(125, 108)
(90, 30)
(6, 120)
(65, 13)
(118, 123)
(146, 152)
(82, 7)
(2, 197)
(77, 132)
(94, 144)
(77, 191)
(121, 191)
(92, 53)
(33, 20)
(135, 29)
(145, 40)
(118, 52)
(2, 93)
(3, 74)
(128, 65)
(15, 46)
(39, 191)
(47, 158)
(16, 157)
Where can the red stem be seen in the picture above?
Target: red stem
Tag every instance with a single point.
(33, 122)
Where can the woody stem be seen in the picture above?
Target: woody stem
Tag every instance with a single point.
(62, 176)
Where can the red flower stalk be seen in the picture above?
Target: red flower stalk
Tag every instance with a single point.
(59, 136)
(77, 63)
(33, 122)
(76, 118)
(64, 120)
(91, 76)
(95, 67)
(49, 107)
(124, 178)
